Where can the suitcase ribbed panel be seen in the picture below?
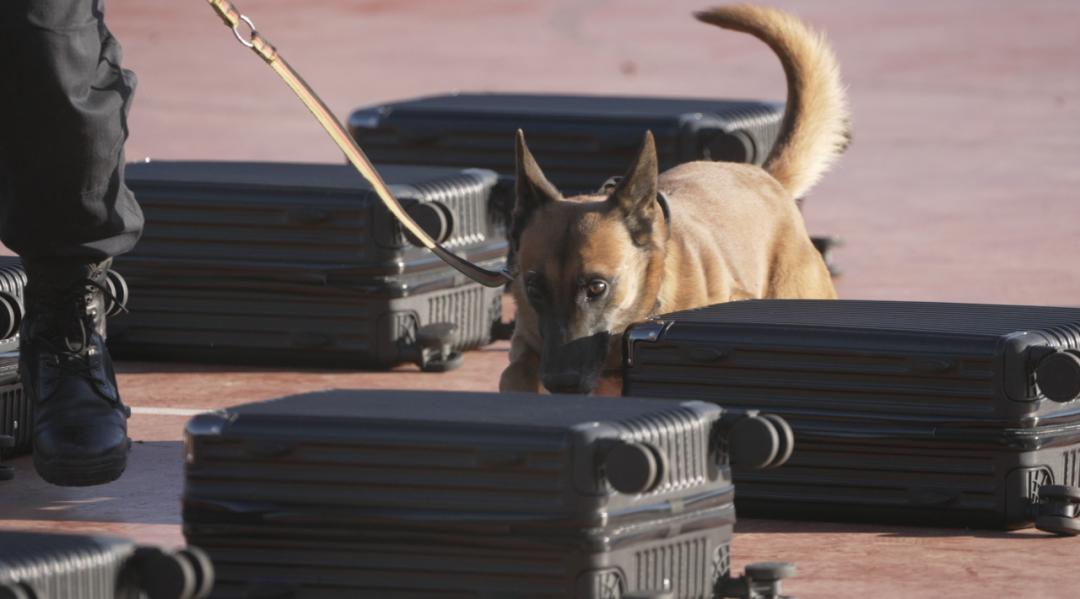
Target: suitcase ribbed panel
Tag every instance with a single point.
(579, 140)
(683, 438)
(324, 215)
(665, 566)
(469, 309)
(12, 276)
(65, 566)
(468, 197)
(1070, 471)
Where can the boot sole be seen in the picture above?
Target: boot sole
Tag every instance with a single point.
(64, 472)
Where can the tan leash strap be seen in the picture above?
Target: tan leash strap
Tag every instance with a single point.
(233, 19)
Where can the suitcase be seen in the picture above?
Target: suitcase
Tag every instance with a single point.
(955, 414)
(407, 494)
(580, 140)
(38, 565)
(300, 265)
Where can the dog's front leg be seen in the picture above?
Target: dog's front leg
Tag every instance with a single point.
(523, 373)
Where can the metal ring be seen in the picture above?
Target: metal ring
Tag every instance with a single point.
(240, 38)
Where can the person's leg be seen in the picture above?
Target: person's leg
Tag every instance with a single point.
(65, 210)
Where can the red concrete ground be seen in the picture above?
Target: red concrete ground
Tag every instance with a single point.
(961, 185)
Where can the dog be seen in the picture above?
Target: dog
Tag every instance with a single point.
(702, 233)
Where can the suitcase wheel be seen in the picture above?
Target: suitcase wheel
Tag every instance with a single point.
(1060, 493)
(1058, 510)
(770, 571)
(204, 570)
(753, 442)
(185, 574)
(634, 468)
(436, 354)
(10, 315)
(1059, 525)
(824, 245)
(16, 590)
(786, 437)
(118, 289)
(1058, 376)
(444, 364)
(761, 581)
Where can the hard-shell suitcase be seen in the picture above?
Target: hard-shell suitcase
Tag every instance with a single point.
(39, 565)
(322, 216)
(348, 493)
(948, 413)
(581, 140)
(299, 264)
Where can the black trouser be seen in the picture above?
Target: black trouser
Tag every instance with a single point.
(64, 101)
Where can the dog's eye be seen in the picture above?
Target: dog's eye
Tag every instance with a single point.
(534, 292)
(534, 287)
(596, 288)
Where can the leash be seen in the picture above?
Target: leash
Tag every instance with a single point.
(233, 19)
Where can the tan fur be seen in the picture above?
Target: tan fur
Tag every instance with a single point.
(734, 233)
(817, 124)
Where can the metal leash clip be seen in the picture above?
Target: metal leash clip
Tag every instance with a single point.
(233, 19)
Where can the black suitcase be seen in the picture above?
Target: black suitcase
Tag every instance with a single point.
(947, 413)
(299, 264)
(581, 140)
(55, 566)
(408, 494)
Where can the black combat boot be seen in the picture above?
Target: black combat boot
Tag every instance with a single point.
(80, 426)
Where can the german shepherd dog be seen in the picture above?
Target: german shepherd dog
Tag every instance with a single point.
(589, 266)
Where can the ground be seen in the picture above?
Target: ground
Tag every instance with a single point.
(960, 186)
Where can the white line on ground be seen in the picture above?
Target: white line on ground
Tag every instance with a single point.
(167, 411)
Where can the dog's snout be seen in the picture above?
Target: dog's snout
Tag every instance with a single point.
(566, 382)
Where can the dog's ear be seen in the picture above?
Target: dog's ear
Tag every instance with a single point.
(532, 188)
(635, 195)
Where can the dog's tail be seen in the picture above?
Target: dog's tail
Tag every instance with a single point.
(817, 123)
